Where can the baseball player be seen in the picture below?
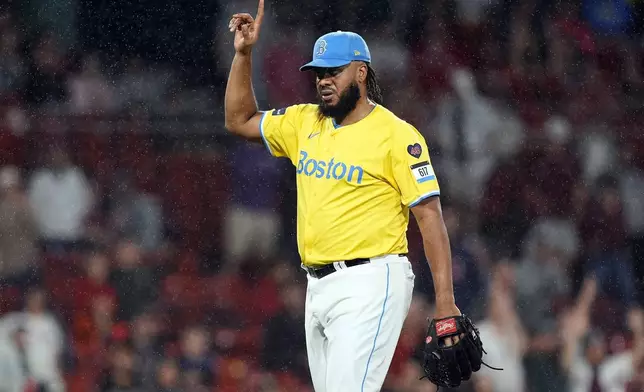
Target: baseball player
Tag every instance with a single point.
(360, 170)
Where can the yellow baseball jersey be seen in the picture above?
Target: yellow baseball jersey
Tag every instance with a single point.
(355, 183)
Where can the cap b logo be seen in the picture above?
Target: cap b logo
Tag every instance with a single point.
(321, 48)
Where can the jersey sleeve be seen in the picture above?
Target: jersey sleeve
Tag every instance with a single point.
(412, 166)
(279, 129)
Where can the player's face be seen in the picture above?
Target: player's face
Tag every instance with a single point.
(330, 83)
(338, 91)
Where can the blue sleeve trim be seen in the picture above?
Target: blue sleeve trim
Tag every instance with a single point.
(261, 131)
(373, 348)
(423, 197)
(426, 179)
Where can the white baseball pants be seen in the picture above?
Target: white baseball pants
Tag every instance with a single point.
(353, 321)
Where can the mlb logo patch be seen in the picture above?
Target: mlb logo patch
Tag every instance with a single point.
(423, 172)
(279, 112)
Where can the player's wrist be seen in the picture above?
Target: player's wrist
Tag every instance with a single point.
(446, 308)
(445, 301)
(244, 52)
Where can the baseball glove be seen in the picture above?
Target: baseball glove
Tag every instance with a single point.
(449, 366)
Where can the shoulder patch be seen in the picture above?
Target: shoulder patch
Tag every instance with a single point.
(423, 171)
(279, 112)
(414, 150)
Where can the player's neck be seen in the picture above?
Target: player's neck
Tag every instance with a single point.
(362, 110)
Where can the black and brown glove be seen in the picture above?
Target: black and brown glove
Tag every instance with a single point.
(449, 366)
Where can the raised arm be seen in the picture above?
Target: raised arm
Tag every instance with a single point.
(576, 323)
(574, 326)
(636, 325)
(242, 117)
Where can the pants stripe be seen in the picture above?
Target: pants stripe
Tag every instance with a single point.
(384, 303)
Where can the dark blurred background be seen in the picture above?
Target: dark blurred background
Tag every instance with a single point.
(144, 249)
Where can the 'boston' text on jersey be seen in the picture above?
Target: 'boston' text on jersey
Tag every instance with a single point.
(321, 169)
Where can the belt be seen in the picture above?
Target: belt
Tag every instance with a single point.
(321, 272)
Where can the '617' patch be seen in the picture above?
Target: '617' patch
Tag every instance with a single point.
(423, 171)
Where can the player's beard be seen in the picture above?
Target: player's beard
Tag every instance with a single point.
(346, 103)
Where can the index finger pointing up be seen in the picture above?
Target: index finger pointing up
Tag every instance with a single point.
(260, 13)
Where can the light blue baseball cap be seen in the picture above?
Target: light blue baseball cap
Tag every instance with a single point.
(337, 49)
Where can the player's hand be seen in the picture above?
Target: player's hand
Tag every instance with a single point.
(444, 311)
(448, 366)
(246, 29)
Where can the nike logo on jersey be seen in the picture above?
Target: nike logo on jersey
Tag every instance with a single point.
(330, 169)
(312, 135)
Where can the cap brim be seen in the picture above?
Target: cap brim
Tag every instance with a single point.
(324, 63)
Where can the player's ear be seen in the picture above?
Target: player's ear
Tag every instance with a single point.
(362, 72)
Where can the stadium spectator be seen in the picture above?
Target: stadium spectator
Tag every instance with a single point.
(554, 171)
(196, 360)
(252, 224)
(145, 336)
(45, 84)
(285, 53)
(505, 339)
(19, 262)
(14, 376)
(92, 331)
(140, 86)
(284, 341)
(135, 283)
(168, 377)
(474, 133)
(39, 338)
(88, 90)
(121, 374)
(134, 214)
(12, 64)
(585, 356)
(95, 283)
(603, 230)
(61, 199)
(542, 284)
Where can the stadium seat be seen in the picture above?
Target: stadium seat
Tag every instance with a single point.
(12, 148)
(91, 151)
(230, 373)
(10, 299)
(288, 382)
(249, 341)
(182, 291)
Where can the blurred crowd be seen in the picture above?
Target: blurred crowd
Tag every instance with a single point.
(130, 264)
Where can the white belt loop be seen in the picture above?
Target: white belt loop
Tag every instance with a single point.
(385, 257)
(338, 265)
